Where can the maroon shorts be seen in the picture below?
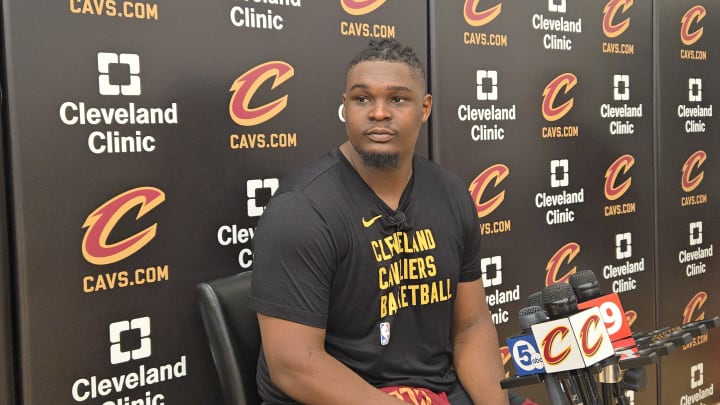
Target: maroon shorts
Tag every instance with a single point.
(417, 396)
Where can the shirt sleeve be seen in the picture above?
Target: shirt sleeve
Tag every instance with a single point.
(294, 261)
(470, 269)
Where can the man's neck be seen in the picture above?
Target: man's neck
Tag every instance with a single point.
(388, 183)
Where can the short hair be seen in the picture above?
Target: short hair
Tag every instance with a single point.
(389, 50)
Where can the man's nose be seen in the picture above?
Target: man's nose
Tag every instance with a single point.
(380, 112)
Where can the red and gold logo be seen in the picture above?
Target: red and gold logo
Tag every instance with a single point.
(591, 324)
(565, 254)
(360, 7)
(622, 165)
(694, 15)
(495, 174)
(631, 316)
(565, 82)
(610, 27)
(505, 356)
(548, 342)
(244, 89)
(479, 18)
(696, 303)
(100, 223)
(690, 182)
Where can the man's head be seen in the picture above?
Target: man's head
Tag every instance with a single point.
(385, 103)
(389, 50)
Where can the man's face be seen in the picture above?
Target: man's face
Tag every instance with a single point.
(385, 106)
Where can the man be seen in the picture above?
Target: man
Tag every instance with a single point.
(366, 272)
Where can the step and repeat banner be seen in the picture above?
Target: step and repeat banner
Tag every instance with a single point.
(688, 192)
(546, 109)
(145, 138)
(7, 389)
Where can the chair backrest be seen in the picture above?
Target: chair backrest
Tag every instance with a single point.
(234, 336)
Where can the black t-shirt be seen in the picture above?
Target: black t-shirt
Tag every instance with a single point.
(329, 253)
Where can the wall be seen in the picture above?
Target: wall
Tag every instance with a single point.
(142, 140)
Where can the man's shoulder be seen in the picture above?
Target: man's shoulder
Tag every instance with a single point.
(431, 171)
(307, 176)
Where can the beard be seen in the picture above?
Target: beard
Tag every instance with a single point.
(380, 160)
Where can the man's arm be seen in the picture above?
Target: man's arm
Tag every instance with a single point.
(475, 346)
(302, 369)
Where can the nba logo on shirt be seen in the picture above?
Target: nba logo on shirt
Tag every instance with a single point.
(384, 333)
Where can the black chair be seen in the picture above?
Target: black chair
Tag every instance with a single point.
(234, 336)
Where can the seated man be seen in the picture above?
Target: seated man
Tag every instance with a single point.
(367, 262)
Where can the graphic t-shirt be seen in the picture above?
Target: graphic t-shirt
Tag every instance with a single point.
(329, 253)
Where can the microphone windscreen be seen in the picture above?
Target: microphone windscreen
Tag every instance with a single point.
(531, 315)
(535, 299)
(585, 285)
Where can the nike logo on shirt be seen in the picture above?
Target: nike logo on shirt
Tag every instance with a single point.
(368, 223)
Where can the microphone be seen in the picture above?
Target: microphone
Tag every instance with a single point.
(526, 355)
(397, 221)
(572, 341)
(587, 290)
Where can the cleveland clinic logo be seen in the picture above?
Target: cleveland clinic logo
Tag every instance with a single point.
(491, 271)
(557, 6)
(487, 85)
(621, 87)
(120, 334)
(697, 375)
(694, 90)
(259, 192)
(623, 245)
(118, 74)
(559, 173)
(696, 233)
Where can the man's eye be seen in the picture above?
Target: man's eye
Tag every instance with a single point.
(397, 99)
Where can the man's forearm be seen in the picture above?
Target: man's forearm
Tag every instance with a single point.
(478, 364)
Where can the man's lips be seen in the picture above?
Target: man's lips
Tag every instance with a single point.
(380, 134)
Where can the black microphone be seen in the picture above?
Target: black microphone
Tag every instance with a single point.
(587, 290)
(397, 221)
(560, 303)
(527, 317)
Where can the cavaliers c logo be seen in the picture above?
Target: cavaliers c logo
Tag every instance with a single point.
(695, 14)
(564, 82)
(613, 191)
(548, 342)
(696, 302)
(360, 7)
(565, 254)
(688, 182)
(479, 18)
(100, 223)
(590, 325)
(505, 356)
(244, 89)
(610, 28)
(496, 174)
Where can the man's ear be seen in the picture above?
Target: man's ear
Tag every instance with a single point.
(427, 107)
